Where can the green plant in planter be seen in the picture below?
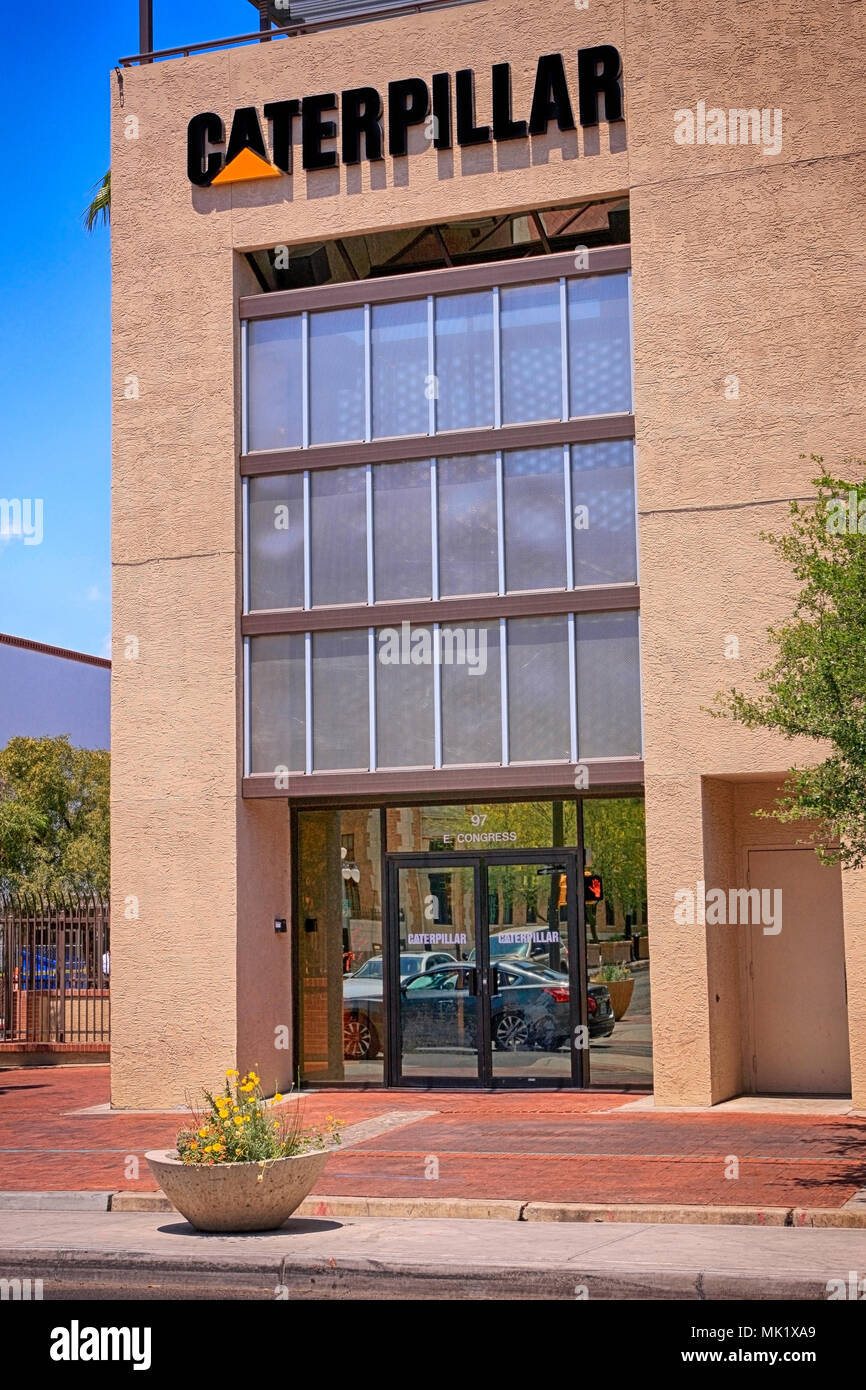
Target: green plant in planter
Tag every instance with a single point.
(611, 974)
(239, 1126)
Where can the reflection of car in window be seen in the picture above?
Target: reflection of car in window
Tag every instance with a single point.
(410, 964)
(529, 1008)
(501, 948)
(362, 1000)
(370, 970)
(436, 979)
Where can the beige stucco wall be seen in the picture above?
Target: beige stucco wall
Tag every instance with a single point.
(743, 264)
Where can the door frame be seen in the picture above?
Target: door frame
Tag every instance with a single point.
(573, 858)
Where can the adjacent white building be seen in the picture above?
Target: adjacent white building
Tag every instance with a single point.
(45, 691)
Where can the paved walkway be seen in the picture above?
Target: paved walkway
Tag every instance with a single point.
(559, 1147)
(158, 1256)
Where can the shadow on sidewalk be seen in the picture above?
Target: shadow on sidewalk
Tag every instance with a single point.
(302, 1226)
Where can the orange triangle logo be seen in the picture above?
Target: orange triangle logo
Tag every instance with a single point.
(246, 165)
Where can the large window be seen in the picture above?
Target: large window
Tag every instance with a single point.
(374, 499)
(516, 521)
(423, 366)
(436, 695)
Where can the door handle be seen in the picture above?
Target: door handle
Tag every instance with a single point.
(472, 981)
(494, 979)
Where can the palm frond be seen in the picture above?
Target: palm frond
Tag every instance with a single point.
(98, 211)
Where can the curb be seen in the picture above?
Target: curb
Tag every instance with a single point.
(513, 1210)
(216, 1274)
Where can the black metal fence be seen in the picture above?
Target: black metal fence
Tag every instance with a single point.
(54, 969)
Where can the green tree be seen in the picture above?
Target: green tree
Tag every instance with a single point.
(816, 686)
(54, 816)
(98, 210)
(614, 830)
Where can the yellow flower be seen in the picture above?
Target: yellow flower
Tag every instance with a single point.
(202, 1134)
(247, 1087)
(209, 1149)
(232, 1072)
(224, 1114)
(253, 1078)
(238, 1119)
(277, 1098)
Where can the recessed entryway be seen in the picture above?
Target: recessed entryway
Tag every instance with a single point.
(796, 979)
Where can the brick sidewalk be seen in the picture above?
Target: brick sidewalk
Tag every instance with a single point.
(560, 1146)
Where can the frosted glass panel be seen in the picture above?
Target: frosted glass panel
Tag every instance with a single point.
(538, 693)
(608, 685)
(341, 721)
(531, 353)
(464, 361)
(277, 703)
(535, 521)
(336, 376)
(471, 711)
(404, 697)
(276, 538)
(467, 525)
(604, 525)
(400, 368)
(274, 384)
(402, 531)
(338, 535)
(599, 347)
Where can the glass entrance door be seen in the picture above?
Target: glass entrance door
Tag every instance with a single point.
(529, 983)
(484, 965)
(437, 994)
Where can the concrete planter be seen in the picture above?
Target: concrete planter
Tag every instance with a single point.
(236, 1196)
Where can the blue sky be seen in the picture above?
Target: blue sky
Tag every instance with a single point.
(56, 302)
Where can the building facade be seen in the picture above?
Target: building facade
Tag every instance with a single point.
(49, 691)
(461, 357)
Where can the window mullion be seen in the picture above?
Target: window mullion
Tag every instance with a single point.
(247, 708)
(305, 380)
(497, 361)
(434, 528)
(569, 519)
(563, 339)
(308, 555)
(500, 521)
(245, 388)
(368, 374)
(503, 688)
(572, 685)
(371, 674)
(245, 543)
(630, 338)
(432, 384)
(308, 702)
(368, 484)
(437, 699)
